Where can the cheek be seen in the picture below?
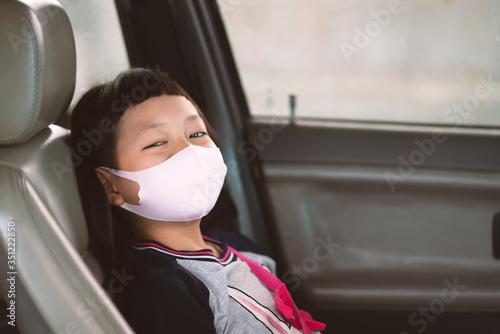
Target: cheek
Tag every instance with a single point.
(210, 143)
(129, 190)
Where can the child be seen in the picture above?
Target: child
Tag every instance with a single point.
(152, 173)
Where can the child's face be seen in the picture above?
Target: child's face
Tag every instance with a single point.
(156, 129)
(150, 133)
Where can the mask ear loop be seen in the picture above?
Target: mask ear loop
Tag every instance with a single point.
(111, 170)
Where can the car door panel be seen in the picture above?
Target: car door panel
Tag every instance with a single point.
(350, 238)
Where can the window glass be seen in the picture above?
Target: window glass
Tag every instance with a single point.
(402, 61)
(100, 49)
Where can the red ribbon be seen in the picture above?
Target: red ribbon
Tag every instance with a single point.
(288, 309)
(298, 318)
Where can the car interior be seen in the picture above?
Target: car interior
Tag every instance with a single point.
(380, 226)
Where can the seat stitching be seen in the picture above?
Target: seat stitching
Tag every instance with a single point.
(19, 135)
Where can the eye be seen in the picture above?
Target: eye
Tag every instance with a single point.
(156, 143)
(198, 134)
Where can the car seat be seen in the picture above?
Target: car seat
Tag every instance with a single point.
(56, 280)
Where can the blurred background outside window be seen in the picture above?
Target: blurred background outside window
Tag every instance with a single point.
(426, 62)
(100, 48)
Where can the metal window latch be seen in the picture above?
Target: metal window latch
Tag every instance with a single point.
(496, 235)
(292, 99)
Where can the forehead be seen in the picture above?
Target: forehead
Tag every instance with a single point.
(168, 109)
(167, 105)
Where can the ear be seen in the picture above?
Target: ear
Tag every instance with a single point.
(108, 182)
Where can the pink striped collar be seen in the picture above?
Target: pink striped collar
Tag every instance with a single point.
(226, 257)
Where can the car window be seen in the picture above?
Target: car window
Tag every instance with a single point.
(100, 48)
(430, 62)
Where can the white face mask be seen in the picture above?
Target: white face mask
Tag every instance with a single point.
(182, 188)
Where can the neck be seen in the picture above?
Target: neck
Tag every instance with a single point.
(176, 235)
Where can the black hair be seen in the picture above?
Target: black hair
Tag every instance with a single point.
(93, 139)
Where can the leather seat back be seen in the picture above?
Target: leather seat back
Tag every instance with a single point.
(56, 289)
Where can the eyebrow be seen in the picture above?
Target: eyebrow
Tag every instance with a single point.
(160, 124)
(149, 127)
(191, 118)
